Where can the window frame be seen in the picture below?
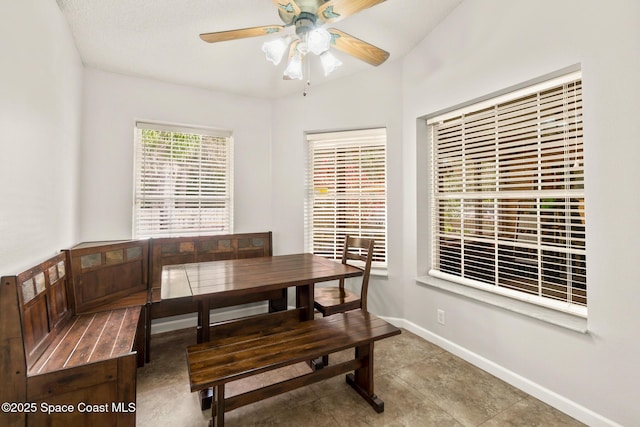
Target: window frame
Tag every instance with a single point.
(374, 139)
(216, 191)
(505, 96)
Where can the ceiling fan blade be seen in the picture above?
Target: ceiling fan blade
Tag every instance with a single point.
(336, 10)
(357, 48)
(288, 9)
(222, 36)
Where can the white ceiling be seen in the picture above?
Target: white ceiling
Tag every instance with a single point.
(159, 39)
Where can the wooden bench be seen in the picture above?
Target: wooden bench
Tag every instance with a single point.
(84, 363)
(112, 275)
(242, 350)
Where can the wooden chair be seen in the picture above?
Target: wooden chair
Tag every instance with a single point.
(332, 300)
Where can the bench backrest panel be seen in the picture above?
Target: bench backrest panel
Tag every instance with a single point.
(44, 308)
(104, 271)
(182, 250)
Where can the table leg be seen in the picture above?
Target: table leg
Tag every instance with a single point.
(206, 398)
(304, 299)
(279, 304)
(202, 335)
(203, 321)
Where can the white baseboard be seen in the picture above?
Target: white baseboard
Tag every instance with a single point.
(559, 402)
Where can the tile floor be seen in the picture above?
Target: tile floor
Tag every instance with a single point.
(420, 383)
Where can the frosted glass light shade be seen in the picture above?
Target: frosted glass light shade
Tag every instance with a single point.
(329, 62)
(274, 50)
(319, 40)
(294, 68)
(302, 47)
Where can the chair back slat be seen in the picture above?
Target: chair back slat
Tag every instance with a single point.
(357, 257)
(364, 253)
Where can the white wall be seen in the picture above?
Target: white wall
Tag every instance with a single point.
(483, 47)
(113, 103)
(40, 117)
(368, 99)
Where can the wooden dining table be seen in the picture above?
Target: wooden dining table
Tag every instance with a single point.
(234, 282)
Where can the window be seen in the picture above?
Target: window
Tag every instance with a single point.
(507, 195)
(183, 181)
(347, 191)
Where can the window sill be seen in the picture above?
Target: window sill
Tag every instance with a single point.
(558, 318)
(379, 272)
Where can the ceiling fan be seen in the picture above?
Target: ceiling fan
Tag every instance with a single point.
(309, 18)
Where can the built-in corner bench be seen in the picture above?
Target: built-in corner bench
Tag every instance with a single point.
(60, 366)
(74, 328)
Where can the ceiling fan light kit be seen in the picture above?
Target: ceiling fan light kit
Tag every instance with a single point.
(329, 62)
(309, 18)
(274, 50)
(319, 40)
(294, 68)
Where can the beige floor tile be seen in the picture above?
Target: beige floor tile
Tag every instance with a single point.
(420, 384)
(531, 412)
(471, 395)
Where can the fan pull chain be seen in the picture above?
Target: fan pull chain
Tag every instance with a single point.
(308, 74)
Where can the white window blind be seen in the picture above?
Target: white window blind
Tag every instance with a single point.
(183, 181)
(508, 195)
(347, 191)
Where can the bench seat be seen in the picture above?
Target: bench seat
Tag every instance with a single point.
(217, 362)
(89, 338)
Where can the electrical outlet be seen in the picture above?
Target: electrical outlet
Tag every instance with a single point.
(441, 316)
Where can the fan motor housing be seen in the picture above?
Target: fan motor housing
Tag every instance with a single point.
(305, 22)
(306, 6)
(310, 6)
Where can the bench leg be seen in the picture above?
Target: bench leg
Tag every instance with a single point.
(147, 334)
(362, 379)
(217, 410)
